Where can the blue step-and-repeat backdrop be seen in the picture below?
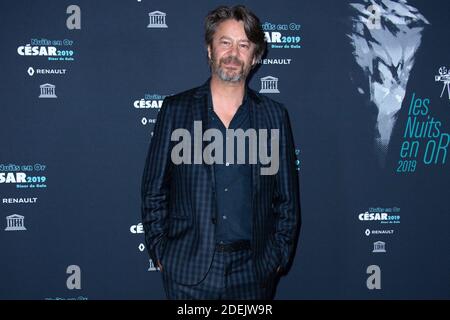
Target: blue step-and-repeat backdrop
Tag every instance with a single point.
(366, 84)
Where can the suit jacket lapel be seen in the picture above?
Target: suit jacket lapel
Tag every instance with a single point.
(200, 113)
(258, 122)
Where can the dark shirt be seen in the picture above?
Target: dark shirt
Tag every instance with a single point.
(233, 181)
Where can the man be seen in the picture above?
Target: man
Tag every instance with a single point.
(222, 230)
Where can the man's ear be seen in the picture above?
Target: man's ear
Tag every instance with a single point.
(209, 51)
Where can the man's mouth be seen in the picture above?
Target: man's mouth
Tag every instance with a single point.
(231, 66)
(231, 62)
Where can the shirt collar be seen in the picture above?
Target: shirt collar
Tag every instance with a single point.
(244, 104)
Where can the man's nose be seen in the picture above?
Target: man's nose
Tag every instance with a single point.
(234, 50)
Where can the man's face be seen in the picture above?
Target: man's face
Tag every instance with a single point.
(231, 53)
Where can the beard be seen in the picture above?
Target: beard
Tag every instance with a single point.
(220, 70)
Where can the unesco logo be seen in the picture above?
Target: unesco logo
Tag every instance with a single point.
(157, 20)
(379, 247)
(269, 84)
(47, 91)
(15, 222)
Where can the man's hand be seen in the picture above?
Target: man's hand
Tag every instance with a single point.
(159, 265)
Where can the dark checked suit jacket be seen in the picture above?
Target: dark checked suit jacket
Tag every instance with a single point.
(178, 201)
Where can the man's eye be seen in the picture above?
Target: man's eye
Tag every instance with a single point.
(225, 43)
(245, 46)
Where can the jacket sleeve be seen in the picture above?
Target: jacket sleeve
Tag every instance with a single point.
(286, 202)
(155, 186)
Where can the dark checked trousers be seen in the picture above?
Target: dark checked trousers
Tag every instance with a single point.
(230, 277)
